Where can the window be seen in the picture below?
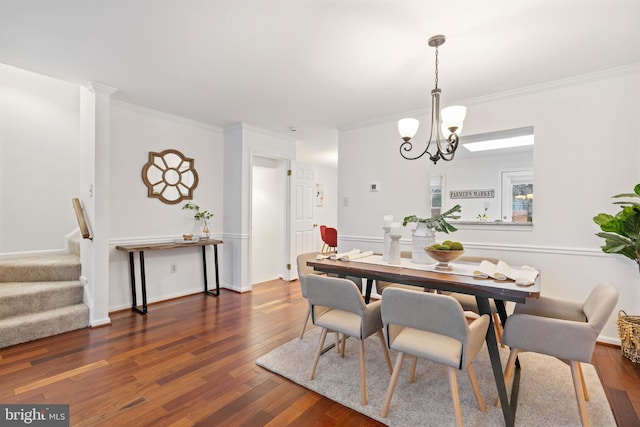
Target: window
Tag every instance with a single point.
(517, 196)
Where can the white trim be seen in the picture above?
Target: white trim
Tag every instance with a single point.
(542, 87)
(246, 126)
(166, 116)
(237, 236)
(495, 247)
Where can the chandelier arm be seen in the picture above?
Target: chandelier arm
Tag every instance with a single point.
(452, 146)
(408, 146)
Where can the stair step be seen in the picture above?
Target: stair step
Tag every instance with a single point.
(40, 268)
(19, 329)
(20, 298)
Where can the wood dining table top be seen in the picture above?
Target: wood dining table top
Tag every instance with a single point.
(505, 290)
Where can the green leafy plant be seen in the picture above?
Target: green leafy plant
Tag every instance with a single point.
(622, 231)
(438, 223)
(198, 214)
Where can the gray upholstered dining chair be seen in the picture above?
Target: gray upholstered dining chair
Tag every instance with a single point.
(468, 302)
(337, 305)
(433, 327)
(303, 271)
(564, 329)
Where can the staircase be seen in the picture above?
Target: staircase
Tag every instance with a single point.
(41, 296)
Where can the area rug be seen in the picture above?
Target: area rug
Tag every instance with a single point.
(546, 396)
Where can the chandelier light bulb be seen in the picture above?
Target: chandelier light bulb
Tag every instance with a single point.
(408, 128)
(452, 118)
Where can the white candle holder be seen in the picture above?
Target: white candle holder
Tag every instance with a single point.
(387, 243)
(394, 249)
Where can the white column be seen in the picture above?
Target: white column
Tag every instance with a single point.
(94, 190)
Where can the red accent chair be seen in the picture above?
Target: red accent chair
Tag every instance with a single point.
(330, 239)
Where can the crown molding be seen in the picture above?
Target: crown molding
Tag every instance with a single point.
(166, 116)
(101, 89)
(527, 90)
(241, 126)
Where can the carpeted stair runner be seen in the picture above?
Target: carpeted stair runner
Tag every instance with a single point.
(40, 296)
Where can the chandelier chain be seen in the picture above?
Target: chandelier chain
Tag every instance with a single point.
(437, 62)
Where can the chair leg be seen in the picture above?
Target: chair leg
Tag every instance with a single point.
(323, 336)
(577, 385)
(412, 370)
(584, 384)
(392, 385)
(385, 351)
(455, 398)
(304, 327)
(497, 324)
(363, 376)
(476, 388)
(508, 370)
(343, 342)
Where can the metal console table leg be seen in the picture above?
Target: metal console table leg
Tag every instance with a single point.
(204, 264)
(132, 273)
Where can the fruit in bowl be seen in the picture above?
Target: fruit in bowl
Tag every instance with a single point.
(444, 253)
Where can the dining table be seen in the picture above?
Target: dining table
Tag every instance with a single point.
(461, 280)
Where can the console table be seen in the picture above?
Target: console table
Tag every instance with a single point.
(141, 248)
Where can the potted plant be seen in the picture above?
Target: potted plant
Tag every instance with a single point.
(424, 233)
(438, 223)
(622, 231)
(201, 216)
(621, 234)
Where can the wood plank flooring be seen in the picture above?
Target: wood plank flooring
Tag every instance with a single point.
(191, 361)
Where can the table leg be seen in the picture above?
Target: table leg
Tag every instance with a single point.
(494, 355)
(143, 284)
(132, 274)
(367, 293)
(204, 265)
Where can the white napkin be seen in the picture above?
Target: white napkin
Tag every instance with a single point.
(524, 276)
(359, 255)
(343, 254)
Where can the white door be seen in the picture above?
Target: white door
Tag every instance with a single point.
(302, 187)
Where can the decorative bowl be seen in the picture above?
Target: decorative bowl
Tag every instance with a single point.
(444, 257)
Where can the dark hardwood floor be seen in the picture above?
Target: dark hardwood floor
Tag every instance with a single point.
(191, 361)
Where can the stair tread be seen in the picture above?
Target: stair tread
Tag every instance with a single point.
(19, 329)
(34, 317)
(40, 268)
(42, 259)
(13, 288)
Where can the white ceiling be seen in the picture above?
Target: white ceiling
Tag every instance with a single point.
(313, 64)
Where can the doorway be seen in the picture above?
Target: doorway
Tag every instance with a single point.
(268, 218)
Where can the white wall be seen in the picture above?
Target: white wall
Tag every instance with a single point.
(586, 149)
(39, 158)
(135, 218)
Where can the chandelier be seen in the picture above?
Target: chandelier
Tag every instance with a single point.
(452, 118)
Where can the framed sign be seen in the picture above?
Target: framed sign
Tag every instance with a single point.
(472, 194)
